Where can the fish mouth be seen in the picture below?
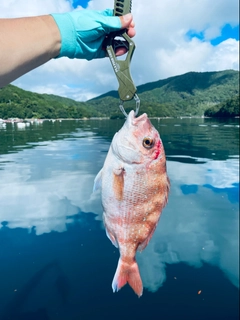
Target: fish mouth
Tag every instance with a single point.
(132, 120)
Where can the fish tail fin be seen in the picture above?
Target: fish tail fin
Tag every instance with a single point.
(127, 273)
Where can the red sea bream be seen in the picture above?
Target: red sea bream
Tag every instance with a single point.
(135, 189)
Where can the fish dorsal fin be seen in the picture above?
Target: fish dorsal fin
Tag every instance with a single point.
(98, 181)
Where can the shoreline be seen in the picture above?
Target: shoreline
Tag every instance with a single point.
(37, 120)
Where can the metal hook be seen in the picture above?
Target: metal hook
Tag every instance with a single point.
(136, 98)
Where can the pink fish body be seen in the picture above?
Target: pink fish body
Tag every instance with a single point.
(135, 189)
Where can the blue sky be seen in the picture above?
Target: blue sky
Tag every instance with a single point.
(82, 3)
(173, 37)
(227, 32)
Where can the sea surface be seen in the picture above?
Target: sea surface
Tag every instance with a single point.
(56, 261)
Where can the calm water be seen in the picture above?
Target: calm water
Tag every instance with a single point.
(55, 259)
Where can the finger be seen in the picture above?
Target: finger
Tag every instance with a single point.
(120, 51)
(132, 24)
(131, 32)
(128, 23)
(126, 20)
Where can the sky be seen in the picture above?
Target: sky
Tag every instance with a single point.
(173, 37)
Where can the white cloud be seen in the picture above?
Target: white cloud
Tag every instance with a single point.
(25, 8)
(197, 56)
(224, 55)
(162, 50)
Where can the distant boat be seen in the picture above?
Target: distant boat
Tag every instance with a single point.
(21, 125)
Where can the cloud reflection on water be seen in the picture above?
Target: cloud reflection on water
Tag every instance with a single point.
(43, 187)
(192, 228)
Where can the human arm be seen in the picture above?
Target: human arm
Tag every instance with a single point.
(26, 43)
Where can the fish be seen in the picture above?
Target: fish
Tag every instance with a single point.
(134, 189)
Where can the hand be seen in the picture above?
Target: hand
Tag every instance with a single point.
(83, 32)
(127, 23)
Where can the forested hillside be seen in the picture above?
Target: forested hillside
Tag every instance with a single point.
(18, 103)
(190, 94)
(228, 108)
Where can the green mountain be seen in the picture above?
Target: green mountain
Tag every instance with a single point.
(184, 95)
(226, 109)
(18, 103)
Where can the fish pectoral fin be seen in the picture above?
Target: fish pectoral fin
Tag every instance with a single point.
(118, 171)
(98, 181)
(118, 183)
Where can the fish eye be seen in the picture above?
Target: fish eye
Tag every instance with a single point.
(148, 142)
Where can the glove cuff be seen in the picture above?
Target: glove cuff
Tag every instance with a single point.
(68, 36)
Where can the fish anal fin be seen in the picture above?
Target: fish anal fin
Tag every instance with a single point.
(127, 273)
(143, 245)
(111, 237)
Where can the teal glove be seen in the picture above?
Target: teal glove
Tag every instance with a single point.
(83, 31)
